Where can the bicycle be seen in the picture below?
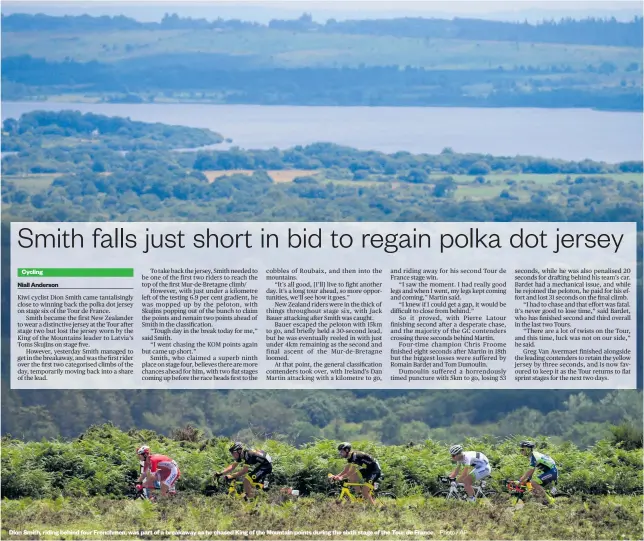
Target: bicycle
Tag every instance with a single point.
(520, 489)
(456, 490)
(346, 492)
(140, 493)
(236, 487)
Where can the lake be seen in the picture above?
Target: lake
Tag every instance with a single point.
(571, 134)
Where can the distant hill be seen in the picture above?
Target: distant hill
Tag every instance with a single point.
(588, 31)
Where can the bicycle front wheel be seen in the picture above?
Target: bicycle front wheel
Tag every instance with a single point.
(449, 495)
(385, 495)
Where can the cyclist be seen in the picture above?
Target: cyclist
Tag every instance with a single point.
(157, 471)
(370, 471)
(546, 465)
(478, 462)
(249, 457)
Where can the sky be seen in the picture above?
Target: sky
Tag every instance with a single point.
(263, 11)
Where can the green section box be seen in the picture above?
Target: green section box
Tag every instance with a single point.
(76, 273)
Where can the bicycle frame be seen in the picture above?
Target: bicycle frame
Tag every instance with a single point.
(517, 489)
(152, 493)
(235, 484)
(346, 491)
(457, 490)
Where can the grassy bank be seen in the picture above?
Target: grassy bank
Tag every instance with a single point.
(604, 517)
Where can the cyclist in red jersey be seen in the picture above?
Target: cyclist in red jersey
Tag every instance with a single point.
(157, 471)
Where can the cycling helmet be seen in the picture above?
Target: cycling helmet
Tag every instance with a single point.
(143, 450)
(455, 450)
(344, 446)
(236, 447)
(527, 444)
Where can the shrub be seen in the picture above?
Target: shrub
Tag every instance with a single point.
(627, 436)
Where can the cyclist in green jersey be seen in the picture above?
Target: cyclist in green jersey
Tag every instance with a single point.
(546, 466)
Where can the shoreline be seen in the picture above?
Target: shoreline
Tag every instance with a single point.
(188, 101)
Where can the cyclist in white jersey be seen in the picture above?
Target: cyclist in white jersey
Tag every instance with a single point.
(476, 466)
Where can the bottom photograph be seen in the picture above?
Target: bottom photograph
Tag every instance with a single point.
(325, 465)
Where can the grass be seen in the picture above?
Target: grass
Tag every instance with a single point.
(32, 183)
(539, 179)
(280, 48)
(607, 517)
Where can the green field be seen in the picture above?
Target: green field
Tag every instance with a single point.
(521, 185)
(608, 517)
(32, 183)
(278, 48)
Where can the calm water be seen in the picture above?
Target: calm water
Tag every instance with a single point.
(572, 134)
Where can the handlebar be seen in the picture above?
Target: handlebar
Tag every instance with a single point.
(445, 479)
(515, 486)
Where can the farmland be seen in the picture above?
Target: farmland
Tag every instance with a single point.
(277, 175)
(415, 63)
(284, 49)
(467, 187)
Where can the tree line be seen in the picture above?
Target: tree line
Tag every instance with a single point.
(76, 130)
(588, 31)
(232, 79)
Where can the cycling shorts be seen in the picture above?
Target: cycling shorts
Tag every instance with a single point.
(259, 474)
(169, 475)
(547, 477)
(370, 475)
(481, 472)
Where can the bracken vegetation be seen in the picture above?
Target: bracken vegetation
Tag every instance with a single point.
(102, 462)
(84, 484)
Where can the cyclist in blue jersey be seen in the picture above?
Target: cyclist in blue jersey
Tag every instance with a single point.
(546, 466)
